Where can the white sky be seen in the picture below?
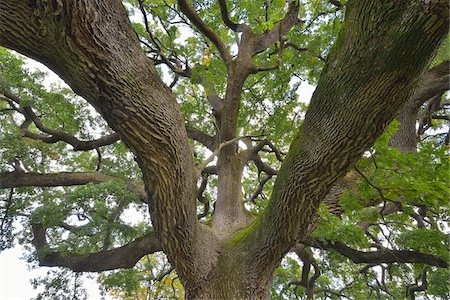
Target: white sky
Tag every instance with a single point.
(14, 274)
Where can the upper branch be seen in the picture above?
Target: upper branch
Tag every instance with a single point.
(206, 30)
(264, 41)
(436, 81)
(226, 17)
(122, 257)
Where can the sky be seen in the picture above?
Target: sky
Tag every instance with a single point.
(15, 275)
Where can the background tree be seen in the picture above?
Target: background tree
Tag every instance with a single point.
(228, 123)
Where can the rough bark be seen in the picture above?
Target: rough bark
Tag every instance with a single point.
(230, 214)
(371, 71)
(92, 46)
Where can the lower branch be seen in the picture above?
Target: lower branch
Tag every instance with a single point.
(122, 257)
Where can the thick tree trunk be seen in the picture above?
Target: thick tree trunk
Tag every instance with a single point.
(371, 71)
(92, 46)
(230, 214)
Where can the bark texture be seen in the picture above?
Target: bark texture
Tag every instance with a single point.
(92, 46)
(371, 71)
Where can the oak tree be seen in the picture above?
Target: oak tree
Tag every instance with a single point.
(231, 166)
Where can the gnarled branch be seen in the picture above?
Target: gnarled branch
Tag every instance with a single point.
(379, 256)
(124, 257)
(226, 17)
(201, 137)
(55, 135)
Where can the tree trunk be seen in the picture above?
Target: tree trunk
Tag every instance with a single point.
(370, 72)
(94, 49)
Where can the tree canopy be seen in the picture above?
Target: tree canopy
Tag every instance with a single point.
(219, 181)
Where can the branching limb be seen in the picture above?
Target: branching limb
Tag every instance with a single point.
(434, 83)
(122, 257)
(260, 188)
(164, 274)
(272, 148)
(127, 91)
(264, 41)
(226, 17)
(252, 154)
(187, 9)
(263, 167)
(302, 49)
(172, 61)
(19, 179)
(217, 151)
(383, 211)
(306, 255)
(413, 288)
(110, 222)
(53, 134)
(201, 137)
(379, 256)
(202, 198)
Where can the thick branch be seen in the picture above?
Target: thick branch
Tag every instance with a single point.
(201, 137)
(380, 256)
(19, 179)
(123, 257)
(434, 83)
(264, 41)
(93, 47)
(361, 89)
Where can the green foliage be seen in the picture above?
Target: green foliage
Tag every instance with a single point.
(79, 219)
(59, 284)
(149, 279)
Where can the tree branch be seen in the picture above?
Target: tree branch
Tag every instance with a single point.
(379, 256)
(206, 30)
(202, 198)
(99, 56)
(434, 83)
(347, 113)
(264, 41)
(226, 17)
(201, 137)
(124, 257)
(20, 179)
(55, 135)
